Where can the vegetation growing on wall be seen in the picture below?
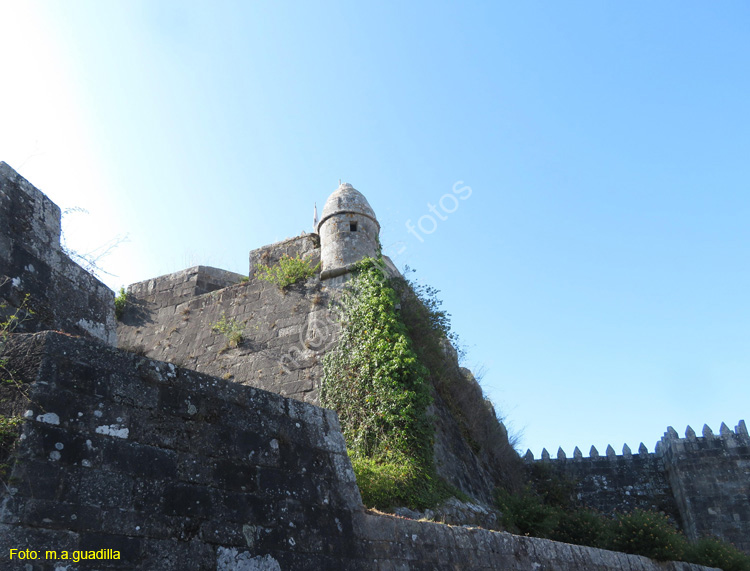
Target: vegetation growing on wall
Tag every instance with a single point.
(545, 509)
(11, 390)
(121, 300)
(289, 270)
(9, 429)
(380, 389)
(231, 329)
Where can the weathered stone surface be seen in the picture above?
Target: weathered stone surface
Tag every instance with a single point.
(348, 231)
(690, 433)
(62, 295)
(395, 543)
(710, 478)
(609, 485)
(700, 483)
(205, 459)
(306, 246)
(249, 480)
(456, 512)
(284, 334)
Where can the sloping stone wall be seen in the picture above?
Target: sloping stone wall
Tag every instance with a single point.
(398, 544)
(61, 294)
(284, 333)
(167, 465)
(169, 290)
(177, 470)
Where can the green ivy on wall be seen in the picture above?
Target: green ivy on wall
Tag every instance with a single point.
(381, 391)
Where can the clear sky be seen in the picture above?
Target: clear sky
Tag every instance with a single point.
(597, 270)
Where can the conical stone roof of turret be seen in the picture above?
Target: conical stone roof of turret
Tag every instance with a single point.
(347, 199)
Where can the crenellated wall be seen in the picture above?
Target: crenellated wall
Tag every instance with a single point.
(710, 478)
(701, 482)
(613, 483)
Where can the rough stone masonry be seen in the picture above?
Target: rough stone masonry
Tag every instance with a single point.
(60, 293)
(175, 470)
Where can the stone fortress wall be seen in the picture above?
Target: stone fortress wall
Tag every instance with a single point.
(701, 482)
(285, 334)
(710, 478)
(61, 294)
(178, 469)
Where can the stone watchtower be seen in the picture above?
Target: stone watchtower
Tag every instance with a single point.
(348, 231)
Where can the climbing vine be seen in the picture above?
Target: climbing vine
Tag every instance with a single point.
(376, 383)
(11, 389)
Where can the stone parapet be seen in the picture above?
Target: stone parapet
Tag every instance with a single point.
(284, 333)
(306, 246)
(35, 273)
(170, 289)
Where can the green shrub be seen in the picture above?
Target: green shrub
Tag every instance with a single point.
(231, 329)
(121, 300)
(12, 391)
(713, 552)
(287, 272)
(583, 527)
(554, 488)
(386, 483)
(525, 513)
(10, 427)
(11, 322)
(379, 388)
(647, 533)
(428, 324)
(544, 509)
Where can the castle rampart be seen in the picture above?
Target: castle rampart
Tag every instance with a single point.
(710, 478)
(701, 482)
(177, 470)
(33, 263)
(285, 336)
(284, 333)
(186, 284)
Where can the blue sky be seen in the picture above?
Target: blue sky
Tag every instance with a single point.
(598, 271)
